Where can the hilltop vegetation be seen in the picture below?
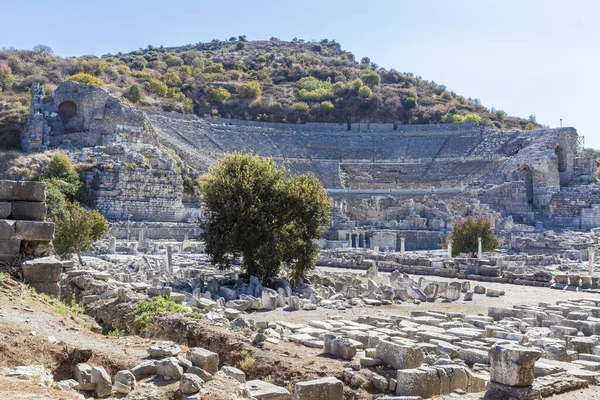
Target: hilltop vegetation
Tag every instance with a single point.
(269, 80)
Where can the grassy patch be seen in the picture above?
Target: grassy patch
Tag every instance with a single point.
(147, 309)
(247, 362)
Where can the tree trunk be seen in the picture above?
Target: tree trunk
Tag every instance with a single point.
(79, 257)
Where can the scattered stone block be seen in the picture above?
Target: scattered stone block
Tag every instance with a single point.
(319, 389)
(190, 384)
(513, 365)
(339, 347)
(102, 381)
(261, 390)
(202, 358)
(399, 356)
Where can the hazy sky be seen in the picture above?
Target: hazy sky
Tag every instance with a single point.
(526, 57)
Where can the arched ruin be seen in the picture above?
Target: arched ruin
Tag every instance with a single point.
(66, 111)
(561, 156)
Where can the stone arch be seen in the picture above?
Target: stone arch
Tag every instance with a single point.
(66, 111)
(525, 174)
(561, 156)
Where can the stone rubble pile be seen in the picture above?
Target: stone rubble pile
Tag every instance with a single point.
(166, 362)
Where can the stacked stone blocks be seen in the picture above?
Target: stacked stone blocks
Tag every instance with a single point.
(22, 227)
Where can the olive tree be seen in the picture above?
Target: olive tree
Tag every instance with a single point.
(465, 236)
(256, 212)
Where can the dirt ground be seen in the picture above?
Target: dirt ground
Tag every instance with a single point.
(283, 363)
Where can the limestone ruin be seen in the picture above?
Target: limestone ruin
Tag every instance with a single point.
(382, 320)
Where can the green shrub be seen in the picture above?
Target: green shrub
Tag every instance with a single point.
(156, 86)
(355, 84)
(218, 95)
(410, 102)
(135, 93)
(327, 106)
(147, 309)
(300, 106)
(247, 362)
(82, 77)
(471, 117)
(371, 79)
(250, 90)
(530, 126)
(365, 92)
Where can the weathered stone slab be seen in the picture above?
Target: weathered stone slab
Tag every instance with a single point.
(513, 365)
(339, 346)
(205, 359)
(399, 356)
(28, 210)
(22, 191)
(5, 209)
(261, 390)
(319, 389)
(34, 230)
(46, 269)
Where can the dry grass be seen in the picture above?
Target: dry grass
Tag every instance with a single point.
(27, 167)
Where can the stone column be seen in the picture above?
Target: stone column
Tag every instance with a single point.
(169, 259)
(450, 249)
(112, 244)
(479, 248)
(141, 236)
(402, 245)
(591, 259)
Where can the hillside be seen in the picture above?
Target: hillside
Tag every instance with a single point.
(270, 80)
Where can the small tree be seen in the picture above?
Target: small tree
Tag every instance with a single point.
(6, 77)
(254, 210)
(364, 92)
(371, 79)
(465, 233)
(218, 95)
(135, 93)
(76, 230)
(43, 49)
(250, 90)
(410, 102)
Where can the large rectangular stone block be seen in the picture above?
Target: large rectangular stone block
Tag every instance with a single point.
(28, 210)
(35, 230)
(513, 365)
(319, 389)
(10, 247)
(7, 229)
(22, 191)
(205, 359)
(5, 209)
(46, 269)
(423, 382)
(399, 356)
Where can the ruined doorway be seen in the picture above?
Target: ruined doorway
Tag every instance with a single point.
(66, 111)
(525, 174)
(562, 158)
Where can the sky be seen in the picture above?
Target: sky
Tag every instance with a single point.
(526, 57)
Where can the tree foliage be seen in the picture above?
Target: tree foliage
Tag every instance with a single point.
(135, 93)
(82, 77)
(465, 233)
(253, 210)
(250, 90)
(76, 230)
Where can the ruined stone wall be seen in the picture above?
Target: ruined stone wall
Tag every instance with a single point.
(140, 194)
(23, 232)
(577, 207)
(134, 177)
